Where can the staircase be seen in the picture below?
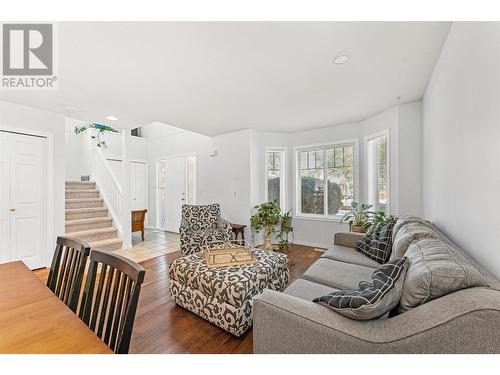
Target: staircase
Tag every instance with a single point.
(87, 217)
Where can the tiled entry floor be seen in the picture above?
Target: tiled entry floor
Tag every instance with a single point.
(156, 243)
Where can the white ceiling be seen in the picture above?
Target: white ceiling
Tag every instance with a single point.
(216, 77)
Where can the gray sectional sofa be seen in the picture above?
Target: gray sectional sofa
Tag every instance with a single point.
(465, 321)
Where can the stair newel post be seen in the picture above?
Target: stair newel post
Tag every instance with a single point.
(126, 207)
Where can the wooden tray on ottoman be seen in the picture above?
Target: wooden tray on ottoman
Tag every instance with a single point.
(228, 256)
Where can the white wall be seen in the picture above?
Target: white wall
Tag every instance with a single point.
(461, 141)
(78, 151)
(26, 119)
(410, 159)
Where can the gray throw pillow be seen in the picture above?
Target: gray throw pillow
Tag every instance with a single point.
(436, 269)
(377, 243)
(370, 300)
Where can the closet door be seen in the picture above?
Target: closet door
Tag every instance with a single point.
(23, 169)
(138, 186)
(4, 199)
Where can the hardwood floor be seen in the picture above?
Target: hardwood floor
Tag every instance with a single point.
(163, 327)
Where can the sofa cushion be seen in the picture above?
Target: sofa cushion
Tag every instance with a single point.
(336, 274)
(406, 234)
(436, 268)
(349, 255)
(377, 243)
(306, 290)
(370, 300)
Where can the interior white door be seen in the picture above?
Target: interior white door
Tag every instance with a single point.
(175, 192)
(4, 200)
(24, 164)
(138, 186)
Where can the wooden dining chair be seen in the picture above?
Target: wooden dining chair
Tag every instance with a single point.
(110, 297)
(67, 270)
(138, 218)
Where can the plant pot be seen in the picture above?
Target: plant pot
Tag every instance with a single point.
(357, 229)
(267, 242)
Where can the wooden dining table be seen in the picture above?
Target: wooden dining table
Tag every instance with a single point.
(34, 320)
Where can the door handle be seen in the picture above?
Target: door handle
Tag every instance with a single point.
(12, 209)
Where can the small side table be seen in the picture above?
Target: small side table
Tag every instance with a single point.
(239, 229)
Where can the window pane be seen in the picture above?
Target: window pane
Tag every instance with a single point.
(339, 157)
(303, 160)
(330, 158)
(273, 186)
(382, 150)
(382, 174)
(270, 160)
(274, 176)
(312, 191)
(340, 189)
(277, 160)
(348, 156)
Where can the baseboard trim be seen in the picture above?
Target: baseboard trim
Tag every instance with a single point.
(317, 245)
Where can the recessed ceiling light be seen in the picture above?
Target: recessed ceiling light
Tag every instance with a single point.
(112, 118)
(341, 59)
(70, 107)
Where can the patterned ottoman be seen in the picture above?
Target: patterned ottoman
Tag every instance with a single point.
(224, 296)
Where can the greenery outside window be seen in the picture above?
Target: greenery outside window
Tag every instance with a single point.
(325, 180)
(275, 177)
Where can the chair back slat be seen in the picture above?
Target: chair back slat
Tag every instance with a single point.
(67, 270)
(98, 295)
(104, 307)
(109, 310)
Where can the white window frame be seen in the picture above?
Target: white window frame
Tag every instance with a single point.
(282, 150)
(384, 133)
(298, 192)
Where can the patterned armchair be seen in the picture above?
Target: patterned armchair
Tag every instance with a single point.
(201, 226)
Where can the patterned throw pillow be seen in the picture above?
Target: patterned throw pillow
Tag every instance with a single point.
(377, 243)
(370, 300)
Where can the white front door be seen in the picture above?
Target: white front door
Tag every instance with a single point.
(174, 192)
(23, 165)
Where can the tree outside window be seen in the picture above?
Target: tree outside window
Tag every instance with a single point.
(326, 180)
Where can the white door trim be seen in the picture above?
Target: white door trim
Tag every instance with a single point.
(49, 190)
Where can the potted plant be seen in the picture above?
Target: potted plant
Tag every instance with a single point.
(267, 218)
(285, 229)
(378, 218)
(357, 216)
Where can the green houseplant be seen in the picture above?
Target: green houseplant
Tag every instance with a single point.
(378, 218)
(267, 218)
(285, 229)
(357, 216)
(101, 129)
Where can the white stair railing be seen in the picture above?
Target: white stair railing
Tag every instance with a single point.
(109, 187)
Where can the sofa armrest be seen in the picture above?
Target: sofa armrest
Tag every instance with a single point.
(461, 322)
(348, 239)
